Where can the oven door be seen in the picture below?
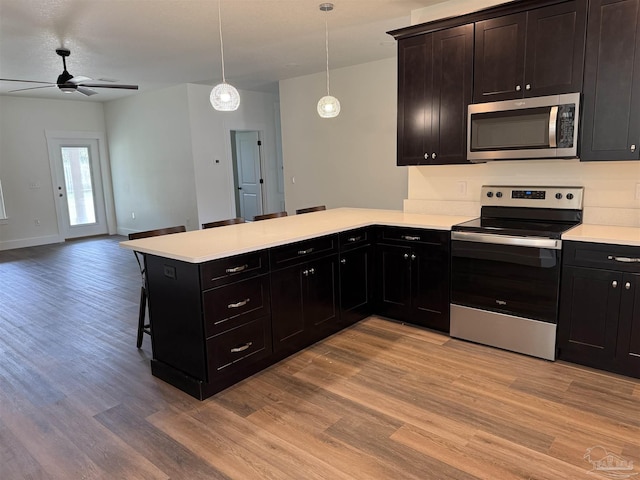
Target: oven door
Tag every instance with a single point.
(518, 276)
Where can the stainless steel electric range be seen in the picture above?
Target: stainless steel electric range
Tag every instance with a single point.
(505, 267)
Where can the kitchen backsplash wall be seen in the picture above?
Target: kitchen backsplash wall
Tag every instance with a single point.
(612, 189)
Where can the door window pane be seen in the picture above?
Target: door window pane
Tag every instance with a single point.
(78, 183)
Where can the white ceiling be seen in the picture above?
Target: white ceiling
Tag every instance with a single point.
(158, 43)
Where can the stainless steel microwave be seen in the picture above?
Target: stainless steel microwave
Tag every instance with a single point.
(528, 128)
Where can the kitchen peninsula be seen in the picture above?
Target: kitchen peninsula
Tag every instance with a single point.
(228, 302)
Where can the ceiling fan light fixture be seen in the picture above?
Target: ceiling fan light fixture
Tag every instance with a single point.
(224, 97)
(328, 106)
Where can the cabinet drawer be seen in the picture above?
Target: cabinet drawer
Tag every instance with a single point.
(243, 345)
(355, 238)
(229, 306)
(294, 253)
(232, 269)
(408, 236)
(599, 255)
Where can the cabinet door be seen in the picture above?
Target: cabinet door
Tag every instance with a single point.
(355, 284)
(555, 49)
(610, 121)
(394, 281)
(320, 289)
(415, 71)
(628, 354)
(287, 316)
(452, 92)
(430, 286)
(499, 58)
(587, 327)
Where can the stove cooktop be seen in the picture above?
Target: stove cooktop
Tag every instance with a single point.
(526, 211)
(521, 228)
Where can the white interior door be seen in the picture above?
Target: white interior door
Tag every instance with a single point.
(78, 187)
(249, 174)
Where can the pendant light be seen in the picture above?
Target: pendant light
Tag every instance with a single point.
(328, 106)
(224, 97)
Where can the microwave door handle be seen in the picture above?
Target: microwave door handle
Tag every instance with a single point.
(553, 122)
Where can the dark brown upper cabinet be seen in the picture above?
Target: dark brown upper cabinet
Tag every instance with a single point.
(534, 53)
(435, 74)
(611, 100)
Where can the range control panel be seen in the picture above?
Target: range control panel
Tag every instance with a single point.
(569, 198)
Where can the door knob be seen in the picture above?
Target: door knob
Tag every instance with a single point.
(614, 284)
(527, 86)
(627, 285)
(518, 88)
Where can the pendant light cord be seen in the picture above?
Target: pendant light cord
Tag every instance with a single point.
(221, 45)
(326, 45)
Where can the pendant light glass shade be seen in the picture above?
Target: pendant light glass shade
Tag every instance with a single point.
(224, 97)
(328, 106)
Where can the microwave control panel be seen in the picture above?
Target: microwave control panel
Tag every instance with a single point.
(565, 125)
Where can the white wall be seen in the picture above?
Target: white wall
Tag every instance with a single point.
(151, 160)
(171, 155)
(610, 187)
(349, 160)
(211, 141)
(24, 160)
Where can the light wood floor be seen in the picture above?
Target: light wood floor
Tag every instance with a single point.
(380, 400)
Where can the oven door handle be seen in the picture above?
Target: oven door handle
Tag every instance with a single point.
(532, 242)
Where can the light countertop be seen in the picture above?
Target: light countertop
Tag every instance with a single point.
(203, 245)
(604, 234)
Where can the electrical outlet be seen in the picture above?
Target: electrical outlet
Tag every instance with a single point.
(37, 221)
(462, 188)
(133, 215)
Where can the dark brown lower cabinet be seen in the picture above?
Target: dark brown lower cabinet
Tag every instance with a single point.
(356, 275)
(599, 323)
(304, 307)
(413, 276)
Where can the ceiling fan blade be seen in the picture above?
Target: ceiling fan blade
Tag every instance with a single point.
(99, 85)
(23, 81)
(79, 79)
(85, 91)
(31, 88)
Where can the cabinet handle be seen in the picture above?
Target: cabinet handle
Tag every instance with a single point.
(410, 237)
(304, 252)
(623, 259)
(426, 156)
(241, 303)
(627, 285)
(527, 86)
(312, 271)
(614, 284)
(354, 239)
(241, 348)
(406, 255)
(343, 261)
(518, 88)
(433, 155)
(413, 256)
(633, 147)
(308, 272)
(236, 269)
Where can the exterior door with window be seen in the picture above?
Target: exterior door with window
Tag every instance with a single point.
(78, 188)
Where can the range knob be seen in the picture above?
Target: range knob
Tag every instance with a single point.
(558, 195)
(499, 194)
(489, 194)
(569, 196)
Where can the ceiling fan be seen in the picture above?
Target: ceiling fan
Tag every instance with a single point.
(68, 83)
